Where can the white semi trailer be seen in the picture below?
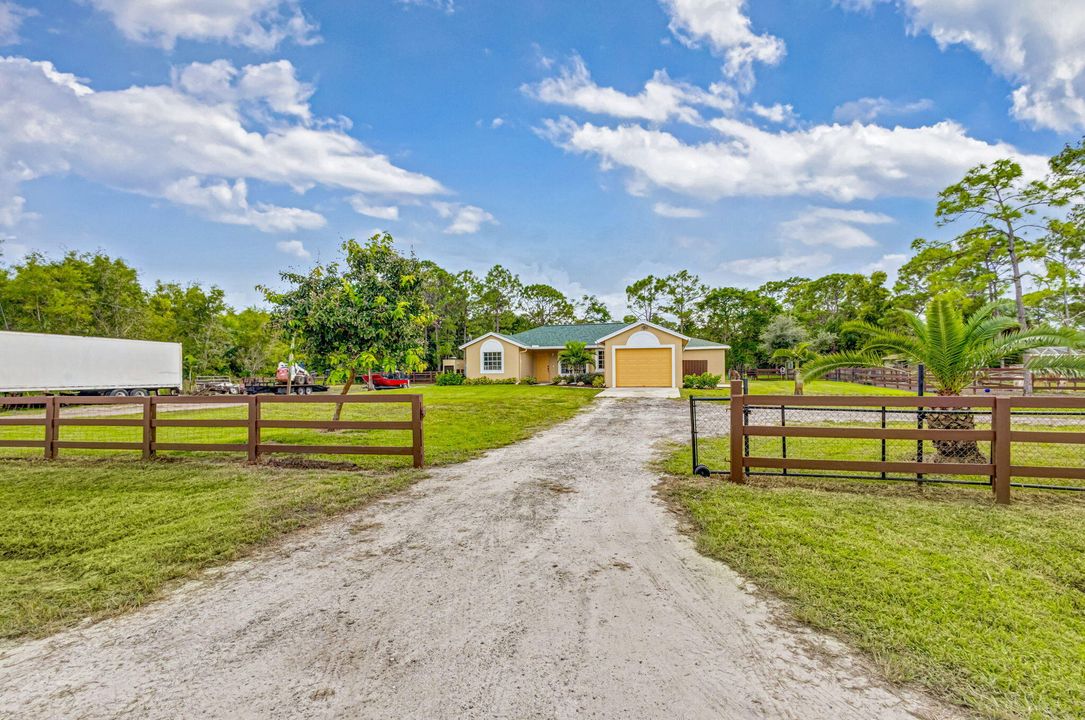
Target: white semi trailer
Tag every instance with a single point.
(35, 362)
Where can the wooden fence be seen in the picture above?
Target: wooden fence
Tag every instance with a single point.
(53, 419)
(1001, 435)
(997, 380)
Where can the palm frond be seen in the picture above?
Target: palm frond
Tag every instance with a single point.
(819, 366)
(1069, 365)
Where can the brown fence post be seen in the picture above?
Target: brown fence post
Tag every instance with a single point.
(1003, 446)
(51, 408)
(738, 400)
(254, 427)
(149, 429)
(417, 413)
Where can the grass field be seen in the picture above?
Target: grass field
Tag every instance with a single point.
(87, 535)
(981, 604)
(787, 387)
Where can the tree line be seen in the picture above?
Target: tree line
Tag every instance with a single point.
(1020, 239)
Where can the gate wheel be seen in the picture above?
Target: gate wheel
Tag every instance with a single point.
(702, 470)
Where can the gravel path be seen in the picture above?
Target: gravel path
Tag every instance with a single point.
(543, 580)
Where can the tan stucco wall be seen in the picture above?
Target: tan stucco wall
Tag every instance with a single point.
(473, 355)
(716, 357)
(665, 338)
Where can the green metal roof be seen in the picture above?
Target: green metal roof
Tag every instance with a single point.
(700, 343)
(587, 333)
(558, 335)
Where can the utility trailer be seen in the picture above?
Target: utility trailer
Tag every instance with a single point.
(293, 379)
(42, 363)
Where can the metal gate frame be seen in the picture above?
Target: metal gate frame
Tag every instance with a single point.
(698, 467)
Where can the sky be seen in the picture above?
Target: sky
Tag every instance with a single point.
(583, 145)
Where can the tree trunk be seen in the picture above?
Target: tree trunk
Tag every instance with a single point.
(1015, 263)
(954, 451)
(346, 389)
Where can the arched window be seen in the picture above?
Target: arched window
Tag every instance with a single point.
(493, 357)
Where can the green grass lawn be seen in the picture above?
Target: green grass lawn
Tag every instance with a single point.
(982, 604)
(787, 387)
(91, 533)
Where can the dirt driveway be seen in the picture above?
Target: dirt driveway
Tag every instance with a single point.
(544, 580)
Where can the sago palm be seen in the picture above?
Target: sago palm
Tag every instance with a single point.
(954, 350)
(798, 356)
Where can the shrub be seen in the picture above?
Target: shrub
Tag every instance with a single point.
(598, 381)
(557, 380)
(702, 381)
(478, 381)
(449, 378)
(529, 380)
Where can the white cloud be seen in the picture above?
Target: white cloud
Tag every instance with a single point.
(869, 109)
(675, 211)
(834, 227)
(776, 266)
(197, 143)
(11, 19)
(224, 202)
(841, 162)
(778, 113)
(257, 24)
(727, 29)
(466, 219)
(449, 6)
(497, 122)
(293, 247)
(661, 99)
(363, 206)
(1037, 44)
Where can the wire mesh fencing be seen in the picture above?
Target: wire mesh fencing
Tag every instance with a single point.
(321, 426)
(999, 442)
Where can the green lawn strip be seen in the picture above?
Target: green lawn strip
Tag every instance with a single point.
(985, 605)
(787, 387)
(88, 534)
(715, 452)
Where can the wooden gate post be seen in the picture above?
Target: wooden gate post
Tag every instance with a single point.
(417, 413)
(1003, 446)
(51, 407)
(150, 431)
(738, 401)
(254, 427)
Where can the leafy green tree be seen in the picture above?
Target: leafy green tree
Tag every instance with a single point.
(193, 317)
(546, 305)
(825, 304)
(254, 344)
(500, 295)
(737, 317)
(796, 357)
(783, 331)
(590, 309)
(1001, 204)
(682, 291)
(1063, 283)
(954, 348)
(364, 313)
(576, 355)
(645, 296)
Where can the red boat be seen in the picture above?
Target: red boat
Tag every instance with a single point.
(387, 381)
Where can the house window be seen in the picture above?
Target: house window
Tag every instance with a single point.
(600, 363)
(564, 369)
(493, 357)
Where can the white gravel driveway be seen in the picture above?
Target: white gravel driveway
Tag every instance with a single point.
(543, 580)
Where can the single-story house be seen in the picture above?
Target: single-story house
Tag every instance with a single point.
(638, 354)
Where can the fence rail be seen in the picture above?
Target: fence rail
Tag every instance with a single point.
(989, 380)
(254, 422)
(1000, 441)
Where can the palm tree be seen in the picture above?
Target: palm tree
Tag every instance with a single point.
(797, 356)
(953, 349)
(575, 355)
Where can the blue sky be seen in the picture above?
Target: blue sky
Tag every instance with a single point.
(580, 144)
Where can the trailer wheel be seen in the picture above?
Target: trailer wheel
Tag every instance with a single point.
(119, 392)
(138, 392)
(308, 390)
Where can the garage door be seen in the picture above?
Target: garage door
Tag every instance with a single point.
(643, 367)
